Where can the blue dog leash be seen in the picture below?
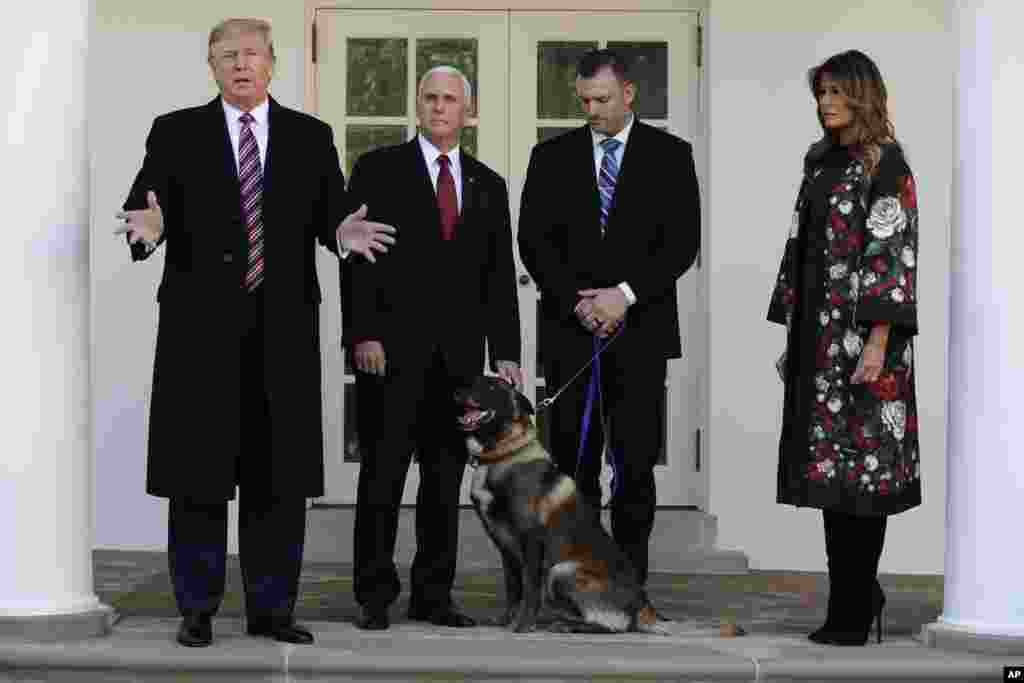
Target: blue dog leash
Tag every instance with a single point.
(593, 395)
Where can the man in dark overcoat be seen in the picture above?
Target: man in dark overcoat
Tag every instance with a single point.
(239, 191)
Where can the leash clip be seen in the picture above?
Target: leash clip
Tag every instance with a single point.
(549, 401)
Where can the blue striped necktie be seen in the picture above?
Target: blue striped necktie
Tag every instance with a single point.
(607, 178)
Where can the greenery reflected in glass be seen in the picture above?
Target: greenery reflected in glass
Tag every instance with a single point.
(556, 78)
(548, 133)
(458, 52)
(360, 139)
(468, 141)
(377, 76)
(649, 70)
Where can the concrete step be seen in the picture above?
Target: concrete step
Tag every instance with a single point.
(683, 541)
(144, 650)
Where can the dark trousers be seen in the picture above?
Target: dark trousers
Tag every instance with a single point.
(633, 393)
(412, 407)
(853, 545)
(271, 530)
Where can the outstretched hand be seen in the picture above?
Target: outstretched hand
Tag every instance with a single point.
(145, 225)
(364, 237)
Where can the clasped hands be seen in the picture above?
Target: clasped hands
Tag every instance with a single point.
(601, 311)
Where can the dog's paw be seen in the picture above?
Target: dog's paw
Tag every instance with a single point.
(508, 617)
(562, 627)
(524, 623)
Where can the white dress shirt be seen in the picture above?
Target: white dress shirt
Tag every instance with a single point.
(431, 154)
(260, 128)
(599, 152)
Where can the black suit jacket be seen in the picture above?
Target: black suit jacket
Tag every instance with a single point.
(195, 421)
(652, 236)
(426, 293)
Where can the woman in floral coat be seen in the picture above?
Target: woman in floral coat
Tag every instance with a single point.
(846, 293)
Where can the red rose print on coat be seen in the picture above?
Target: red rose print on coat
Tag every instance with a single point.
(908, 193)
(886, 387)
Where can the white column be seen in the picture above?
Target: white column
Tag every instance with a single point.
(984, 598)
(46, 584)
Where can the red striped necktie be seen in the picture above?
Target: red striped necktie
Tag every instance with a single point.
(250, 177)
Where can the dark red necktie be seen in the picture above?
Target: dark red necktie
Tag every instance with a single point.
(447, 200)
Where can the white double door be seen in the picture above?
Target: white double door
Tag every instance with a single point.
(522, 68)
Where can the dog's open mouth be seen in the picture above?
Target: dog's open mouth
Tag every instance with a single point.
(474, 417)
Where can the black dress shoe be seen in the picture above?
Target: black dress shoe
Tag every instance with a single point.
(282, 632)
(447, 615)
(373, 619)
(195, 631)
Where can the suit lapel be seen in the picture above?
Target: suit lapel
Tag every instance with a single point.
(584, 156)
(277, 122)
(221, 143)
(469, 181)
(421, 180)
(633, 151)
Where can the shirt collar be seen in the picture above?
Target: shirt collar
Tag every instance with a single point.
(431, 152)
(260, 113)
(622, 136)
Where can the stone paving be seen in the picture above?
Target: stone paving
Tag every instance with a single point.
(137, 585)
(775, 610)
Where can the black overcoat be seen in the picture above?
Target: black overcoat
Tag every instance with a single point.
(850, 262)
(195, 422)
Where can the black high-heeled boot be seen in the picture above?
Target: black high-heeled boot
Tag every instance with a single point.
(834, 563)
(877, 607)
(866, 598)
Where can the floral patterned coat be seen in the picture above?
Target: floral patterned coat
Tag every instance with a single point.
(850, 262)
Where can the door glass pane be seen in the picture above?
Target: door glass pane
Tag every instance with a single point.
(377, 76)
(649, 70)
(556, 78)
(663, 448)
(543, 426)
(458, 52)
(536, 332)
(360, 139)
(468, 140)
(548, 133)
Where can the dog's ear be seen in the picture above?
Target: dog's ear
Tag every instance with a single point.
(525, 407)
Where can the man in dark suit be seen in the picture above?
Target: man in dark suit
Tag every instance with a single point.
(240, 190)
(609, 221)
(417, 331)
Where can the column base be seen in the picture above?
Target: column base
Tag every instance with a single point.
(943, 636)
(52, 628)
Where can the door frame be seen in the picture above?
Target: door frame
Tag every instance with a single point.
(699, 142)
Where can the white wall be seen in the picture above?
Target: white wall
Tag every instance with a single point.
(761, 121)
(148, 58)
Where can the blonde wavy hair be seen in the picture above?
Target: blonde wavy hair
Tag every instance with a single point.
(861, 83)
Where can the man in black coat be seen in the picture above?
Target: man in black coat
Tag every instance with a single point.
(609, 221)
(417, 330)
(240, 191)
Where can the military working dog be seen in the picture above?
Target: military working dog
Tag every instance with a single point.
(552, 544)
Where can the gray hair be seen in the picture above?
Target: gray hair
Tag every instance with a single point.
(450, 71)
(241, 27)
